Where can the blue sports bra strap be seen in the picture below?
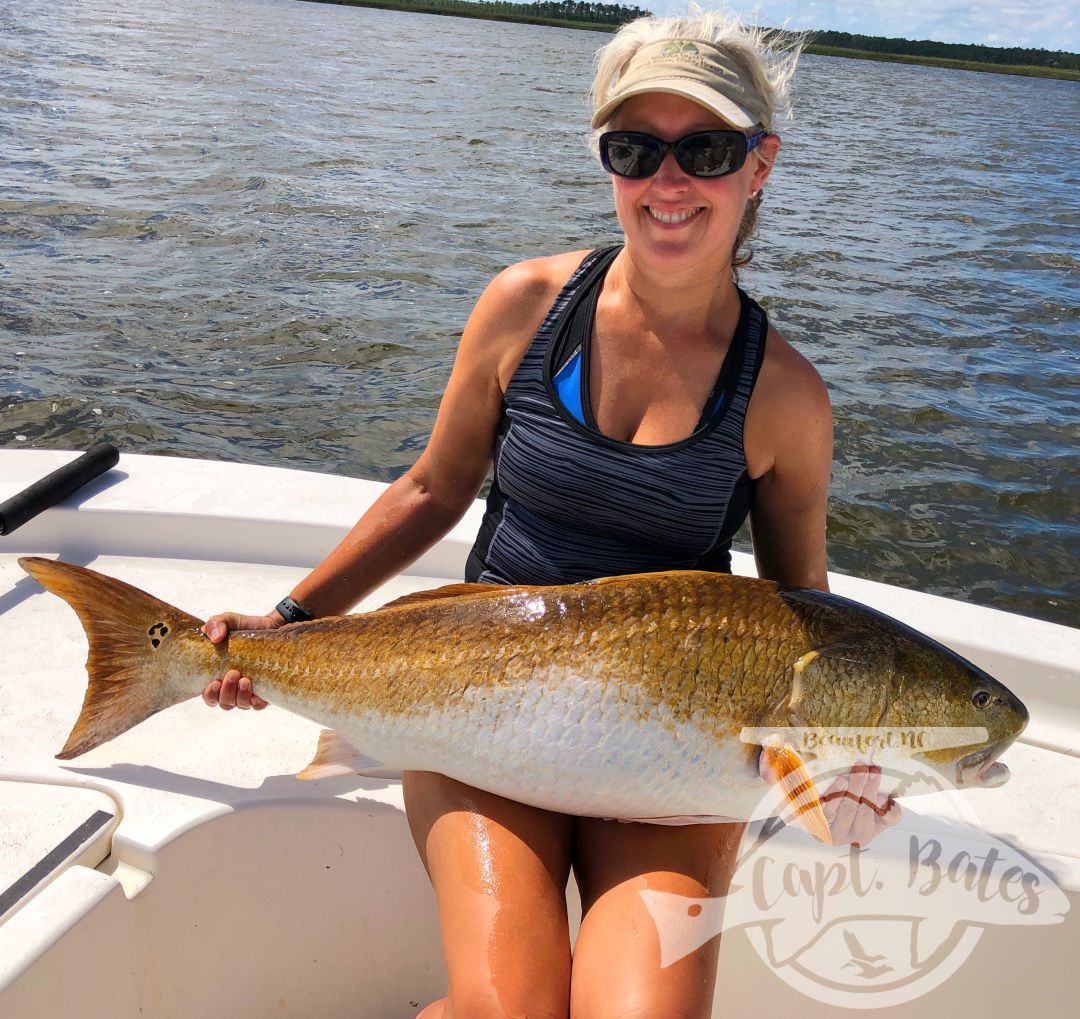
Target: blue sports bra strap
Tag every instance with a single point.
(566, 338)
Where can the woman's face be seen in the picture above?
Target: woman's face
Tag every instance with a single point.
(672, 219)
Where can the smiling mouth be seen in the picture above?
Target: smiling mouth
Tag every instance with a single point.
(673, 218)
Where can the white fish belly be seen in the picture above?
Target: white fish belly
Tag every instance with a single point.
(577, 747)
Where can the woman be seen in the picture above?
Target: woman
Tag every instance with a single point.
(637, 406)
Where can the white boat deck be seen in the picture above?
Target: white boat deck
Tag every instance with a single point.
(155, 865)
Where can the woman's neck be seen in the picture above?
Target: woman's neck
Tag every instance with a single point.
(702, 301)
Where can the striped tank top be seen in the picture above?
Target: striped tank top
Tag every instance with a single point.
(568, 503)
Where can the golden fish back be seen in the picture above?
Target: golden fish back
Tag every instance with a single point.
(703, 644)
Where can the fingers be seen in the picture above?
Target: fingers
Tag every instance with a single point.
(232, 691)
(217, 627)
(850, 788)
(892, 812)
(855, 809)
(245, 695)
(211, 693)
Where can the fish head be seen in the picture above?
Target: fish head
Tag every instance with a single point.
(973, 717)
(869, 670)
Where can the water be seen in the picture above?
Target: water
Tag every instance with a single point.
(254, 231)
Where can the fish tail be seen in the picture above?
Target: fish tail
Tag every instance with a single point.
(130, 634)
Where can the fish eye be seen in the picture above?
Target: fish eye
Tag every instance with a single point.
(980, 698)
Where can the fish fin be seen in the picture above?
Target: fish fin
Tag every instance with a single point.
(336, 757)
(630, 577)
(818, 667)
(124, 627)
(497, 590)
(451, 591)
(675, 819)
(781, 763)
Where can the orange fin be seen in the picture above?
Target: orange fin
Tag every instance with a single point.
(494, 590)
(336, 757)
(781, 763)
(621, 578)
(452, 591)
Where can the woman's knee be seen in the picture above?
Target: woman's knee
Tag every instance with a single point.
(617, 962)
(646, 993)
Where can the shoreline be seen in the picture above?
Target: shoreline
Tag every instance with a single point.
(1024, 70)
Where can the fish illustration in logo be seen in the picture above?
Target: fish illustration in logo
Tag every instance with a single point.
(910, 905)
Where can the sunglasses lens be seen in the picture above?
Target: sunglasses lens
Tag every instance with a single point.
(705, 154)
(711, 153)
(630, 155)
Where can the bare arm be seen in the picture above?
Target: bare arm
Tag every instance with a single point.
(789, 437)
(789, 448)
(422, 505)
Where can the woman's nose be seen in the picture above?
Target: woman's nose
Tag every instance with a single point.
(670, 173)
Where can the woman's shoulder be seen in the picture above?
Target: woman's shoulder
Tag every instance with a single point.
(514, 305)
(535, 280)
(789, 409)
(788, 375)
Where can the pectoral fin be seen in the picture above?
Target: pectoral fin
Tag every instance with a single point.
(336, 757)
(780, 763)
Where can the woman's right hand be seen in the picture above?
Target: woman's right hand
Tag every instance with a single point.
(233, 690)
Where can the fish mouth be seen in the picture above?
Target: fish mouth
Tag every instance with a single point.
(982, 768)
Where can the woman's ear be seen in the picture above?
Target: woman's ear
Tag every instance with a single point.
(766, 152)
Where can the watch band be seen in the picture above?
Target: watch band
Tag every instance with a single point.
(292, 611)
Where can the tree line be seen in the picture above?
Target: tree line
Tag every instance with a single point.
(613, 15)
(568, 10)
(548, 10)
(1005, 55)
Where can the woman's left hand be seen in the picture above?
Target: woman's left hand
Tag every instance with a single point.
(856, 811)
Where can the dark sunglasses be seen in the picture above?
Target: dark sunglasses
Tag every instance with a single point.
(637, 155)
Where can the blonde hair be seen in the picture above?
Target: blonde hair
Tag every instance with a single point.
(766, 56)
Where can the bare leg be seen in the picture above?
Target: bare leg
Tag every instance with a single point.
(499, 870)
(617, 957)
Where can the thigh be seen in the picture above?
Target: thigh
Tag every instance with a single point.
(617, 968)
(499, 870)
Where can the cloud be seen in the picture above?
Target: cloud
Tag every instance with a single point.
(1047, 24)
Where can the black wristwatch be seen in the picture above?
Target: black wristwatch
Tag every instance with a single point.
(292, 611)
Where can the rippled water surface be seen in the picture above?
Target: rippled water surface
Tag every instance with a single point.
(253, 231)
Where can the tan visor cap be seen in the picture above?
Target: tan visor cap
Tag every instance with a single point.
(694, 69)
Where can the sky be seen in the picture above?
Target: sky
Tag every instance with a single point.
(1044, 24)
